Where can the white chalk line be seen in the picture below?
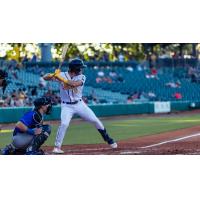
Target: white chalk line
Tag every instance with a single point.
(169, 141)
(129, 152)
(87, 149)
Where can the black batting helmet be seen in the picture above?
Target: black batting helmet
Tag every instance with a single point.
(76, 65)
(42, 101)
(3, 75)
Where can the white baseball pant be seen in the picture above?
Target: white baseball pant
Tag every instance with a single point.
(67, 112)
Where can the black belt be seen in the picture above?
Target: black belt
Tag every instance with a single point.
(74, 102)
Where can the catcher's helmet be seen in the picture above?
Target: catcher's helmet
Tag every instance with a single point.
(76, 64)
(38, 103)
(3, 75)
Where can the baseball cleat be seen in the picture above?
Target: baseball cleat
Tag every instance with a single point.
(57, 150)
(113, 145)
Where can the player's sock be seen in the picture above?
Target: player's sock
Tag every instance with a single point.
(105, 136)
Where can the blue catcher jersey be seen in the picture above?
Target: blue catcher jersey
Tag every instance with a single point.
(31, 119)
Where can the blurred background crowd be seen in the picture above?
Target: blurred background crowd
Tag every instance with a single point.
(116, 73)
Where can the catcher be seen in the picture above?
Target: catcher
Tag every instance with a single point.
(3, 81)
(30, 133)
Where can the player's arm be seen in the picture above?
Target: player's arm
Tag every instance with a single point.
(74, 83)
(55, 77)
(77, 83)
(49, 77)
(23, 128)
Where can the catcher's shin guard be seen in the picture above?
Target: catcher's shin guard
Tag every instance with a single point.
(39, 152)
(8, 150)
(38, 141)
(105, 136)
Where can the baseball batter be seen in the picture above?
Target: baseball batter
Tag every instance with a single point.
(71, 88)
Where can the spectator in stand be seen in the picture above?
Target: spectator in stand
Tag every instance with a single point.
(153, 73)
(42, 82)
(107, 80)
(164, 55)
(135, 96)
(12, 101)
(129, 68)
(175, 55)
(105, 57)
(113, 74)
(14, 93)
(172, 84)
(100, 74)
(139, 68)
(18, 102)
(34, 59)
(34, 92)
(25, 91)
(177, 95)
(129, 100)
(121, 57)
(4, 101)
(178, 84)
(1, 102)
(25, 59)
(21, 97)
(98, 80)
(151, 95)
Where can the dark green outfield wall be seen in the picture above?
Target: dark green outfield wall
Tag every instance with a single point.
(8, 115)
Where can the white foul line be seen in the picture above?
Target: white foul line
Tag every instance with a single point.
(169, 141)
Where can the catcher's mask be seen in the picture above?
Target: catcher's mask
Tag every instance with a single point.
(43, 101)
(3, 77)
(76, 65)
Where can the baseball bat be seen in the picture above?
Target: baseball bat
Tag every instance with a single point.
(57, 72)
(64, 51)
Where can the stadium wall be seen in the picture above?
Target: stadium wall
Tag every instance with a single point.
(10, 115)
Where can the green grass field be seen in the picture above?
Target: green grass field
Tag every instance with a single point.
(85, 133)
